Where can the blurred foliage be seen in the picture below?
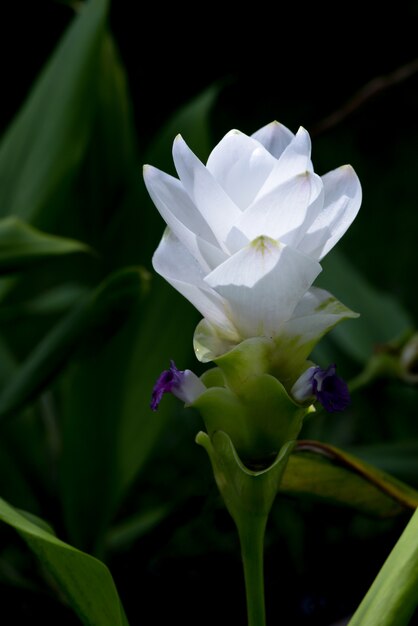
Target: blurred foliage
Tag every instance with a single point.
(86, 329)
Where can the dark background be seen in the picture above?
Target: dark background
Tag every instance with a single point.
(298, 65)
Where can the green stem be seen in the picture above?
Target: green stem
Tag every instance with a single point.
(251, 533)
(379, 366)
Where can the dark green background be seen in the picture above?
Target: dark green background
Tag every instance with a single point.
(297, 65)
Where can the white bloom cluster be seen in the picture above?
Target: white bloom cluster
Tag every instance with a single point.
(246, 233)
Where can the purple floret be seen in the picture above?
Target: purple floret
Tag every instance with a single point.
(165, 383)
(331, 390)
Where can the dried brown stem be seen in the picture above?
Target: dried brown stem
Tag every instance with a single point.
(370, 89)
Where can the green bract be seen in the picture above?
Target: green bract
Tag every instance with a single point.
(244, 400)
(245, 491)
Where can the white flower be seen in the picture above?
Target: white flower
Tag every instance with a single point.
(246, 233)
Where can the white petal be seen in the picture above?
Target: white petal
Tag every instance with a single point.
(314, 241)
(342, 181)
(274, 137)
(342, 200)
(286, 210)
(215, 206)
(168, 194)
(263, 283)
(295, 159)
(174, 263)
(316, 313)
(236, 240)
(241, 165)
(182, 217)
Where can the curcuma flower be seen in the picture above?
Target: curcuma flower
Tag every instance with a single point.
(246, 233)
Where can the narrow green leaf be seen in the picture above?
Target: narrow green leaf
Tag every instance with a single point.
(85, 581)
(131, 529)
(392, 598)
(23, 462)
(109, 176)
(113, 297)
(119, 424)
(42, 149)
(114, 133)
(37, 521)
(105, 397)
(164, 332)
(192, 121)
(382, 317)
(21, 245)
(53, 301)
(92, 392)
(399, 458)
(324, 471)
(14, 482)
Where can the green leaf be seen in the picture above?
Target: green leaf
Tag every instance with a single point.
(111, 298)
(14, 481)
(114, 141)
(53, 301)
(165, 328)
(43, 147)
(22, 245)
(392, 598)
(109, 412)
(23, 461)
(399, 458)
(108, 194)
(192, 121)
(382, 318)
(133, 528)
(85, 581)
(165, 331)
(323, 471)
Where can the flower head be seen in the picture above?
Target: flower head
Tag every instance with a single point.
(245, 236)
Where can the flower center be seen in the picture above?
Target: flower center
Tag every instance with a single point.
(264, 244)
